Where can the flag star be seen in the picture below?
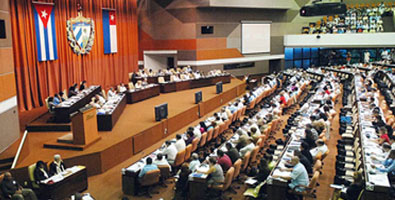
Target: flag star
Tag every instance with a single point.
(112, 17)
(44, 14)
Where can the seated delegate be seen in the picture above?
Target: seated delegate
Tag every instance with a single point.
(215, 171)
(12, 190)
(57, 166)
(147, 167)
(298, 176)
(41, 171)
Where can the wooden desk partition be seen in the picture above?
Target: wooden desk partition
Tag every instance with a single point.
(84, 127)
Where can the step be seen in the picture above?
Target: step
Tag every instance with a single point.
(6, 160)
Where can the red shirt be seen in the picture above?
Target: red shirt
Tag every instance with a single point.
(385, 137)
(283, 101)
(225, 162)
(327, 92)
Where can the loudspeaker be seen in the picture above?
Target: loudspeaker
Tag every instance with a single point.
(170, 62)
(2, 29)
(207, 29)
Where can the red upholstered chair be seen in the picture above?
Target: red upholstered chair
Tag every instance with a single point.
(188, 151)
(203, 140)
(254, 154)
(228, 181)
(179, 159)
(150, 179)
(195, 143)
(210, 134)
(216, 132)
(246, 160)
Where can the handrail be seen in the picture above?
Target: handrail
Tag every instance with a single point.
(19, 149)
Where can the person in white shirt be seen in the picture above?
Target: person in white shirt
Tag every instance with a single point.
(224, 115)
(139, 84)
(170, 152)
(111, 93)
(161, 161)
(195, 163)
(180, 143)
(122, 88)
(100, 100)
(321, 148)
(366, 56)
(196, 132)
(247, 148)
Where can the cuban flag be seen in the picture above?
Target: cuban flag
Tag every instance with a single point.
(44, 19)
(109, 32)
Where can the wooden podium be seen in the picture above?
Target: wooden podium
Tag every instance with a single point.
(84, 127)
(84, 131)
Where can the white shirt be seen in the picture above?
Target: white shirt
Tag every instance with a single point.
(111, 94)
(194, 164)
(171, 152)
(162, 162)
(197, 133)
(180, 145)
(246, 149)
(224, 115)
(314, 152)
(122, 89)
(102, 100)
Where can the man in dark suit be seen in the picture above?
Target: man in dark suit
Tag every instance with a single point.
(12, 190)
(72, 90)
(232, 153)
(41, 171)
(57, 166)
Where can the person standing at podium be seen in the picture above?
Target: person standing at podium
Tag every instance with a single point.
(57, 166)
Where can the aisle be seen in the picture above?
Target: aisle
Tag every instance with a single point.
(324, 191)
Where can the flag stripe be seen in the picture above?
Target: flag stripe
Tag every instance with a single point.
(46, 43)
(37, 35)
(42, 41)
(113, 35)
(54, 46)
(106, 32)
(50, 41)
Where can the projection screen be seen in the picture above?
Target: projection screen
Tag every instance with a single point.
(255, 37)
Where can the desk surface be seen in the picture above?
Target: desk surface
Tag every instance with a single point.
(375, 180)
(61, 186)
(72, 104)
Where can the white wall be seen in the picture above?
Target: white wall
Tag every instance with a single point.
(157, 62)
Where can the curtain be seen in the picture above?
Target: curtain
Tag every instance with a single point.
(38, 80)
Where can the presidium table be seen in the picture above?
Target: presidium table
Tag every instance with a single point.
(72, 104)
(109, 114)
(193, 83)
(62, 186)
(146, 92)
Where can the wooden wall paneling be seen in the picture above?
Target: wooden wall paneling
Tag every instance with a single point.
(182, 119)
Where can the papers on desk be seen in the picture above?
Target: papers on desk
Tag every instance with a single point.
(250, 181)
(198, 175)
(277, 172)
(59, 177)
(379, 179)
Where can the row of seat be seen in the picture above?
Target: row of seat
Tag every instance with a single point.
(250, 157)
(155, 176)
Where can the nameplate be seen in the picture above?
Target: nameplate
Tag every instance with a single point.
(90, 116)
